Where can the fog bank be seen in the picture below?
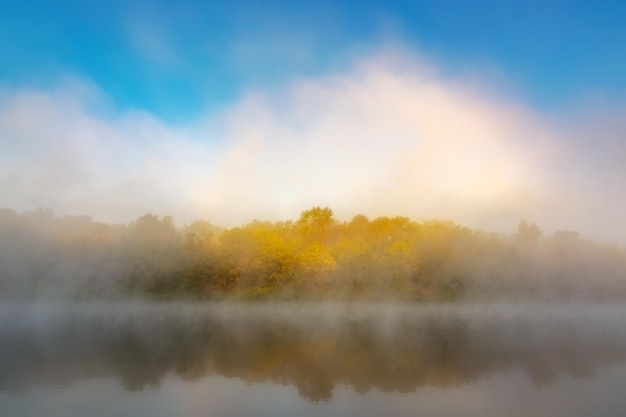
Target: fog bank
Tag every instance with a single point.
(391, 134)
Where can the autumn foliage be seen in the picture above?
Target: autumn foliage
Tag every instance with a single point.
(315, 256)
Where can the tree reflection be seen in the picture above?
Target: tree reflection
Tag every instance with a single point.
(313, 348)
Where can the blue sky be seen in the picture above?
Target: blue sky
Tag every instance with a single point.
(482, 112)
(176, 59)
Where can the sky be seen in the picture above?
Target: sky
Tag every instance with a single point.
(482, 112)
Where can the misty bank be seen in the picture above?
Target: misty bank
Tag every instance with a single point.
(314, 257)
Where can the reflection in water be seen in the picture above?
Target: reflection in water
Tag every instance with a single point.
(312, 347)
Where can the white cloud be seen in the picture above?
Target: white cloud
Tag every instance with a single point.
(389, 136)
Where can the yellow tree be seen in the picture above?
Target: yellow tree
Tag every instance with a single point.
(314, 222)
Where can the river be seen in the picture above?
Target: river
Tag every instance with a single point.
(311, 359)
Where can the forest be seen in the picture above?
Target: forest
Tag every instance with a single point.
(313, 257)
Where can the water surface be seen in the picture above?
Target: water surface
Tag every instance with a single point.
(228, 359)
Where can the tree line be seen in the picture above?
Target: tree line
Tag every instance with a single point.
(314, 256)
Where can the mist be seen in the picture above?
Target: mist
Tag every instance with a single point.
(442, 185)
(312, 209)
(392, 133)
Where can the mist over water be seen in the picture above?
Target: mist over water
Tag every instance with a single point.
(313, 358)
(373, 209)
